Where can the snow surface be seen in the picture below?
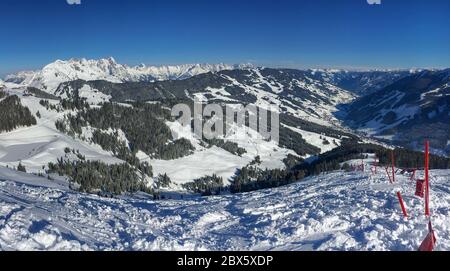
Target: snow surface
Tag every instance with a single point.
(337, 211)
(92, 96)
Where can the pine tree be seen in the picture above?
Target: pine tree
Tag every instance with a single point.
(21, 167)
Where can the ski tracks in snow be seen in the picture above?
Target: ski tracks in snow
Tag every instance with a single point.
(336, 211)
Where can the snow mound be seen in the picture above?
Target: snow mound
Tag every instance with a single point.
(337, 211)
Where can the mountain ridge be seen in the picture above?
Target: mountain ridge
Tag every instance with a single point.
(50, 76)
(60, 71)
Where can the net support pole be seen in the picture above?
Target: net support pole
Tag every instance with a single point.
(393, 166)
(427, 179)
(389, 175)
(402, 204)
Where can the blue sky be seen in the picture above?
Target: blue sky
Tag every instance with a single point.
(279, 33)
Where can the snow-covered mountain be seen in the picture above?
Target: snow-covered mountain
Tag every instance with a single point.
(293, 91)
(360, 82)
(22, 77)
(60, 71)
(408, 110)
(52, 75)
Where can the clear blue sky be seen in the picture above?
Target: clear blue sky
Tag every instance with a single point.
(288, 33)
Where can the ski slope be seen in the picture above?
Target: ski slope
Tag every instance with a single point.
(336, 211)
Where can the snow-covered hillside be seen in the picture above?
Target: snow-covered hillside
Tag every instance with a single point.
(60, 71)
(293, 91)
(404, 111)
(36, 146)
(40, 144)
(337, 211)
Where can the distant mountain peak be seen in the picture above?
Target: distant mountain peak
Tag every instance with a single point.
(59, 71)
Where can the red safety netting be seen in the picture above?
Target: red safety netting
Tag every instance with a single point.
(430, 241)
(420, 188)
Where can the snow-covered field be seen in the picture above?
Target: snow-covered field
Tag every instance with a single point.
(214, 160)
(337, 211)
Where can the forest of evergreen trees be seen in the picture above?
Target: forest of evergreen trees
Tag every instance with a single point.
(405, 158)
(292, 160)
(111, 142)
(229, 146)
(206, 186)
(294, 141)
(162, 181)
(41, 94)
(96, 176)
(293, 121)
(13, 114)
(143, 125)
(50, 106)
(251, 178)
(2, 94)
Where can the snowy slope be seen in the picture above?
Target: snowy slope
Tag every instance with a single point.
(292, 91)
(38, 145)
(214, 160)
(52, 75)
(337, 211)
(317, 140)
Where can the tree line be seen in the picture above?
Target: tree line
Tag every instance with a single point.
(2, 94)
(229, 146)
(111, 142)
(206, 186)
(143, 125)
(96, 176)
(252, 178)
(405, 158)
(13, 114)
